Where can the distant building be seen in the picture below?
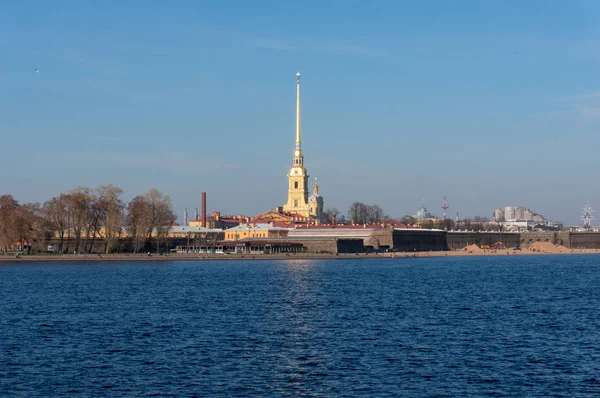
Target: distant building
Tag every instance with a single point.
(423, 214)
(509, 213)
(498, 215)
(518, 225)
(245, 231)
(179, 231)
(281, 218)
(215, 220)
(538, 218)
(517, 213)
(521, 213)
(519, 218)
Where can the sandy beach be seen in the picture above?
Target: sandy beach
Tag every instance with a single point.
(486, 253)
(536, 249)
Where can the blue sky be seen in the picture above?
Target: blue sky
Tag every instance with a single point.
(489, 103)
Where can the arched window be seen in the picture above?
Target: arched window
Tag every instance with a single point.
(296, 203)
(295, 184)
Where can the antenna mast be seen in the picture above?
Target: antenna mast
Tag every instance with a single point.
(445, 207)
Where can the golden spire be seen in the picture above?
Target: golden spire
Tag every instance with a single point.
(298, 142)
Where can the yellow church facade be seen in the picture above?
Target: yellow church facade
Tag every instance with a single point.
(255, 231)
(298, 200)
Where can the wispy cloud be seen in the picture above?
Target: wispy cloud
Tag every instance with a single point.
(110, 88)
(164, 161)
(272, 44)
(586, 105)
(334, 47)
(586, 50)
(455, 46)
(348, 49)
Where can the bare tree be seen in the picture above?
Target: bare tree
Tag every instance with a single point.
(42, 228)
(86, 215)
(478, 223)
(19, 224)
(27, 225)
(375, 214)
(161, 214)
(8, 208)
(500, 226)
(79, 204)
(113, 211)
(427, 224)
(465, 224)
(56, 212)
(357, 213)
(138, 222)
(361, 213)
(95, 220)
(331, 214)
(448, 224)
(148, 216)
(409, 220)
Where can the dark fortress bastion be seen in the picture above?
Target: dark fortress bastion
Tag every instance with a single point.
(571, 240)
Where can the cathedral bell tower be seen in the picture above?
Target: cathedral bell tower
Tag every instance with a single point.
(315, 203)
(298, 177)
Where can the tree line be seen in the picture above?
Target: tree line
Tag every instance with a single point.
(78, 219)
(437, 223)
(477, 223)
(362, 213)
(358, 213)
(83, 217)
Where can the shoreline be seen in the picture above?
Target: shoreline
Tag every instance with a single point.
(302, 256)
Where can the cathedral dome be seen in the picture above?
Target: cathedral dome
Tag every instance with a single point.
(423, 213)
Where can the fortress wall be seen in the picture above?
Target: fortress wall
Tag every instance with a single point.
(557, 238)
(419, 240)
(585, 240)
(324, 245)
(397, 239)
(458, 240)
(330, 244)
(384, 237)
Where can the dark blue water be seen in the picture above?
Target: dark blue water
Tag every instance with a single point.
(409, 327)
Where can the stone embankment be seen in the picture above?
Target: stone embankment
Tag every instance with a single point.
(538, 248)
(182, 257)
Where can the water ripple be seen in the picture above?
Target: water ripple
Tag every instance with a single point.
(411, 327)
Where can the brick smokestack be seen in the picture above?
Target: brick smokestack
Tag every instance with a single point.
(204, 209)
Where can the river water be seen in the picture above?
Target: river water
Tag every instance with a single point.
(451, 327)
